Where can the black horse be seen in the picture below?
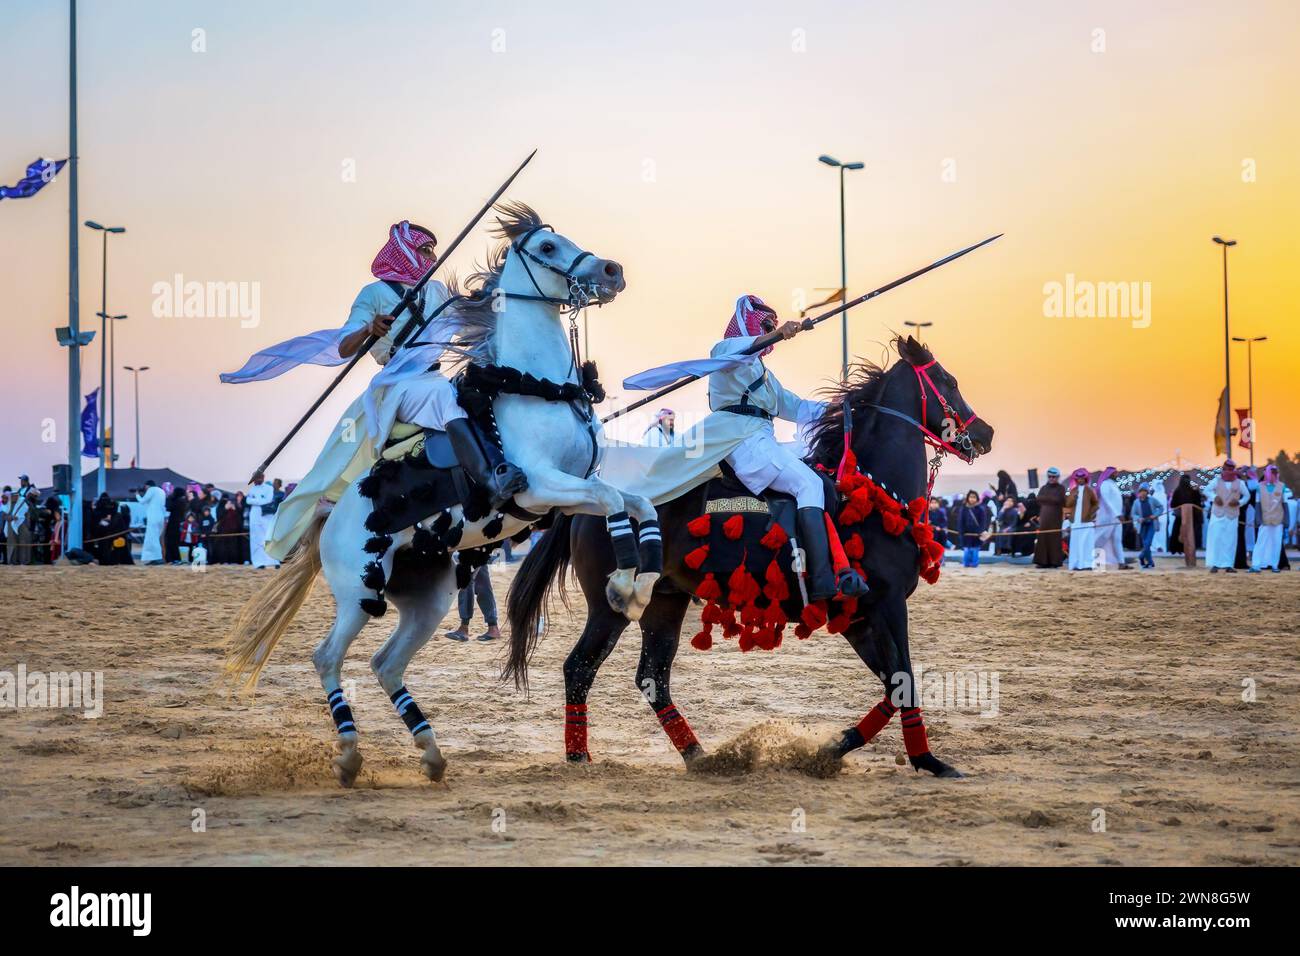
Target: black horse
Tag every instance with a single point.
(889, 409)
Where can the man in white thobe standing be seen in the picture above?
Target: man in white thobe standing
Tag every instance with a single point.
(154, 502)
(259, 498)
(1226, 493)
(1081, 509)
(1272, 519)
(1110, 512)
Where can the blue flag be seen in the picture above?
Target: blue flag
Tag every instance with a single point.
(38, 174)
(90, 426)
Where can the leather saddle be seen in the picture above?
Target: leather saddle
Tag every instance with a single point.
(418, 476)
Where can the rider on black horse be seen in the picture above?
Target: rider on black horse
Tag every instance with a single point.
(749, 396)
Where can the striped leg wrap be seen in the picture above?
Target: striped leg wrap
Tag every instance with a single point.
(652, 547)
(914, 738)
(575, 730)
(409, 711)
(877, 718)
(677, 729)
(620, 532)
(341, 712)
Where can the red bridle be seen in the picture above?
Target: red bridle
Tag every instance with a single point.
(966, 452)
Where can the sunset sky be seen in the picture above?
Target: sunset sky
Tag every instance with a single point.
(1108, 140)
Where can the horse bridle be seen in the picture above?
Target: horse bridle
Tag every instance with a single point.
(967, 451)
(581, 294)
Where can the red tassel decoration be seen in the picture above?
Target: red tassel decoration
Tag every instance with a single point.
(814, 615)
(709, 589)
(696, 558)
(893, 523)
(775, 538)
(699, 527)
(703, 640)
(734, 527)
(916, 508)
(776, 588)
(854, 547)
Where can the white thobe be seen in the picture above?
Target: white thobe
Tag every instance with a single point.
(1221, 535)
(656, 437)
(1110, 509)
(1081, 536)
(154, 503)
(1268, 539)
(746, 443)
(404, 390)
(259, 524)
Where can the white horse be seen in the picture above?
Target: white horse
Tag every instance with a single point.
(513, 320)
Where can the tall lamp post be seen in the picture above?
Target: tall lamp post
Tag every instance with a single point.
(1250, 386)
(136, 375)
(103, 349)
(75, 493)
(917, 325)
(844, 265)
(109, 411)
(1227, 365)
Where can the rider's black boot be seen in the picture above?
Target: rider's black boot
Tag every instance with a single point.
(817, 553)
(486, 467)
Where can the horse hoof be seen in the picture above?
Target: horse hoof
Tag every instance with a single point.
(936, 766)
(691, 755)
(583, 757)
(644, 587)
(347, 764)
(620, 591)
(432, 763)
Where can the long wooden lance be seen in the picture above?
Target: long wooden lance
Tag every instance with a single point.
(774, 337)
(413, 325)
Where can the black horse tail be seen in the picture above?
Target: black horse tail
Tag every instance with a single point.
(547, 561)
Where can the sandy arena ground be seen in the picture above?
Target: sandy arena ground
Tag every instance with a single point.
(1118, 691)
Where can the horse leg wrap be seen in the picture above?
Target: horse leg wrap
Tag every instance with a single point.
(341, 712)
(652, 547)
(677, 729)
(914, 738)
(575, 730)
(620, 532)
(409, 711)
(877, 718)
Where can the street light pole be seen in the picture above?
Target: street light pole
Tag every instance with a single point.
(917, 325)
(136, 375)
(104, 357)
(74, 299)
(844, 264)
(1250, 386)
(1227, 364)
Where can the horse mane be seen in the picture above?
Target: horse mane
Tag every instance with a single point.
(864, 386)
(477, 318)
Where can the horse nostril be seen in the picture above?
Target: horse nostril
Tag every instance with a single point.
(613, 269)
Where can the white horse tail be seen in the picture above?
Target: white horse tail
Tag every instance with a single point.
(267, 615)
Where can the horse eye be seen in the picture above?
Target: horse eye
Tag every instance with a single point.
(548, 247)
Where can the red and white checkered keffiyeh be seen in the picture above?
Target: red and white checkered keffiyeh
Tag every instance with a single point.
(399, 260)
(747, 320)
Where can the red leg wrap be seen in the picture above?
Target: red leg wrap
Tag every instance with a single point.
(677, 729)
(876, 719)
(914, 738)
(575, 728)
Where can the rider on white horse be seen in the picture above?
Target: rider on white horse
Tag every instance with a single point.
(408, 389)
(415, 391)
(747, 396)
